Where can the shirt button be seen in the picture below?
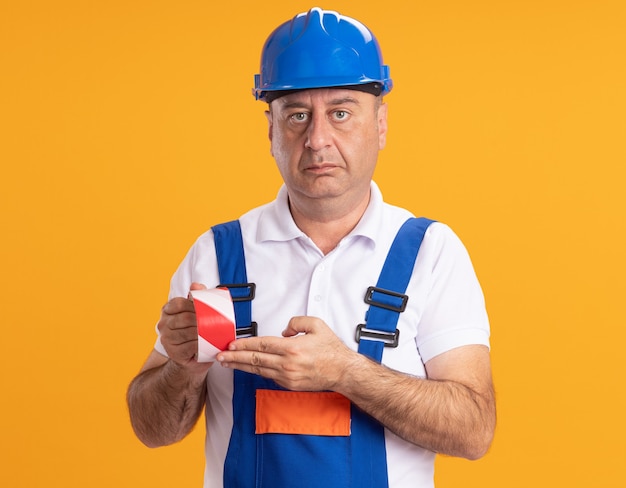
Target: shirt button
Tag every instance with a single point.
(318, 298)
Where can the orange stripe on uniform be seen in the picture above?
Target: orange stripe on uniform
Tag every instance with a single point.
(302, 412)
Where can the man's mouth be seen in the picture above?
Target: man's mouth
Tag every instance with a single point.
(320, 167)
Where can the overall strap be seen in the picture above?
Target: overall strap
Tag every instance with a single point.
(231, 264)
(388, 299)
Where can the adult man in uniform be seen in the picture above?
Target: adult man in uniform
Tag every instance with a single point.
(312, 253)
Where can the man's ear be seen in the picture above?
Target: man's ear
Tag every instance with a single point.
(382, 125)
(270, 128)
(268, 114)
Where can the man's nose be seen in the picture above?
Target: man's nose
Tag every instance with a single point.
(319, 133)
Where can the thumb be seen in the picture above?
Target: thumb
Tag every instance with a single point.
(195, 286)
(299, 325)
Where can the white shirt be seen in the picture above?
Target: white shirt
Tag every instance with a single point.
(293, 277)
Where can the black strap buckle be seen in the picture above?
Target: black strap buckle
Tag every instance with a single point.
(394, 301)
(250, 331)
(389, 339)
(237, 292)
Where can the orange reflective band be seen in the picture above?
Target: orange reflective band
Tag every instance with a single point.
(296, 412)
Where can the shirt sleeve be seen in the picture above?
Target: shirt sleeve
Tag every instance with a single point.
(454, 313)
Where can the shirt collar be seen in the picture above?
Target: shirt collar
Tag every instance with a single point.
(277, 224)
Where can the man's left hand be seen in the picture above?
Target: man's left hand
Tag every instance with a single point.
(309, 356)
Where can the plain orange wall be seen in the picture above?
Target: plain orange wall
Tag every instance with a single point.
(127, 128)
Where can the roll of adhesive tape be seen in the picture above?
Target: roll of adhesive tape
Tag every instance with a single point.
(215, 315)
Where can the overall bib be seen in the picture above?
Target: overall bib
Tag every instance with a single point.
(322, 440)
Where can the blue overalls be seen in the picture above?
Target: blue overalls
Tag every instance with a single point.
(277, 460)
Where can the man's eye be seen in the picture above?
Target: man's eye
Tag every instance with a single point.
(299, 117)
(341, 115)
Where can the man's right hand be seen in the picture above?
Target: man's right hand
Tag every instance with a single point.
(179, 332)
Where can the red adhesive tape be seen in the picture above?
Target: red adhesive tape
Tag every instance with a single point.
(215, 316)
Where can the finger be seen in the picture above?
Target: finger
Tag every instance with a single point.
(180, 336)
(301, 325)
(180, 320)
(263, 352)
(197, 286)
(267, 365)
(178, 305)
(266, 344)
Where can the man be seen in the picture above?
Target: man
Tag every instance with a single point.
(298, 404)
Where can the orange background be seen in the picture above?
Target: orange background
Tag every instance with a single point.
(128, 128)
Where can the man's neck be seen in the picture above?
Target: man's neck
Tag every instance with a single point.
(326, 223)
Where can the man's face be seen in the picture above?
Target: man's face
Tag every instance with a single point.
(325, 142)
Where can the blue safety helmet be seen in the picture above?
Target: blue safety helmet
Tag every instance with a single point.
(318, 49)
